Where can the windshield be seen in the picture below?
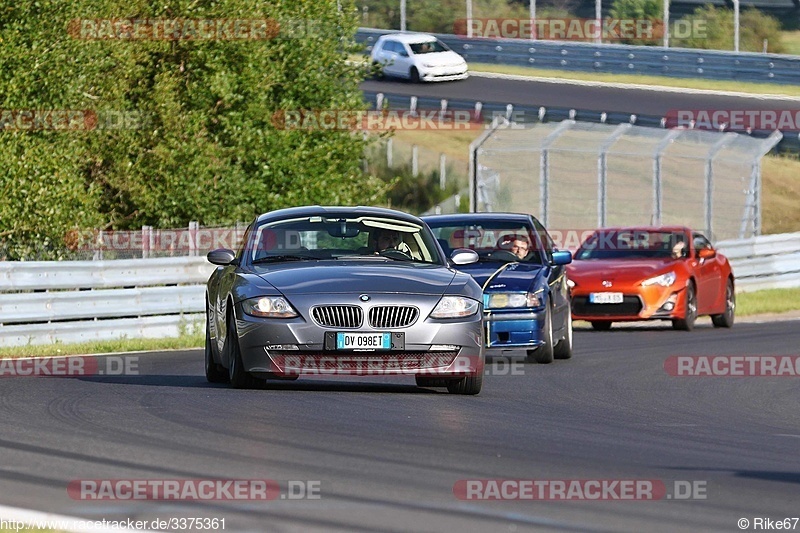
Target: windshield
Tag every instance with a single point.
(493, 240)
(319, 238)
(428, 47)
(632, 244)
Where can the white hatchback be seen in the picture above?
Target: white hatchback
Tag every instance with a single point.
(418, 57)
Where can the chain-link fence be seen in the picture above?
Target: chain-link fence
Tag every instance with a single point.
(582, 175)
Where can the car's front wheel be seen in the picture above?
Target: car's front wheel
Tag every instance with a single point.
(215, 373)
(725, 320)
(469, 385)
(563, 349)
(544, 354)
(239, 378)
(413, 75)
(601, 325)
(690, 310)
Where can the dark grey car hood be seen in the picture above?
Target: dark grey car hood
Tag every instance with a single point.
(319, 277)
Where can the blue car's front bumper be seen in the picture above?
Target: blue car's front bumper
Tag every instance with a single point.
(514, 329)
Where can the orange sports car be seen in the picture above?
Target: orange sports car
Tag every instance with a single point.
(650, 273)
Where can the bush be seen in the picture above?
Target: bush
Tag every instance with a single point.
(206, 147)
(754, 27)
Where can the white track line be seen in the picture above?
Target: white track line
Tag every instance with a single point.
(633, 86)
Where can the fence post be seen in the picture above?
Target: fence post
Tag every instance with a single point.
(544, 169)
(657, 178)
(602, 172)
(442, 171)
(414, 160)
(389, 153)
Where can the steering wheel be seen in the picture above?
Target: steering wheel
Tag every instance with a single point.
(503, 255)
(393, 253)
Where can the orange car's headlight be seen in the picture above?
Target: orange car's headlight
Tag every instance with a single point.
(665, 280)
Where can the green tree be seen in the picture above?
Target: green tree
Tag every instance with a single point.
(206, 146)
(715, 30)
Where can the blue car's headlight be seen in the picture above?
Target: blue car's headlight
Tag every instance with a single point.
(514, 300)
(269, 307)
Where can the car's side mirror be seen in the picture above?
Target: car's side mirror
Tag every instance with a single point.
(706, 253)
(464, 256)
(221, 257)
(403, 53)
(562, 258)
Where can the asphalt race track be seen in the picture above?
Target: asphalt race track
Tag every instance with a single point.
(387, 454)
(562, 95)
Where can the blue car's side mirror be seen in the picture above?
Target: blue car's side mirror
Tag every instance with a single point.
(562, 258)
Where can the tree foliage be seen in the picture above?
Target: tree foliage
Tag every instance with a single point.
(754, 28)
(202, 144)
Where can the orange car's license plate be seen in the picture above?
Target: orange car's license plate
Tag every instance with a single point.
(605, 297)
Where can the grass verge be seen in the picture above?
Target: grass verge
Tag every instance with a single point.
(767, 301)
(639, 79)
(193, 340)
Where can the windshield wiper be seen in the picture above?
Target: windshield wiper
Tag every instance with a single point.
(280, 258)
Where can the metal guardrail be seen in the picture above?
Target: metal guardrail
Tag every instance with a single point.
(620, 59)
(534, 113)
(764, 262)
(78, 301)
(152, 308)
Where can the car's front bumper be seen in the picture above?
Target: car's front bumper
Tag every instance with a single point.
(514, 329)
(443, 73)
(639, 303)
(441, 348)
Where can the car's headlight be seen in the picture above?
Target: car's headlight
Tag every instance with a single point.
(269, 307)
(503, 300)
(570, 283)
(665, 280)
(428, 65)
(455, 307)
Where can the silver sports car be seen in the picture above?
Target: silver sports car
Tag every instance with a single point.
(343, 290)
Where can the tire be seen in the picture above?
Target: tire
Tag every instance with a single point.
(544, 353)
(563, 349)
(215, 373)
(413, 75)
(469, 385)
(423, 381)
(378, 70)
(601, 325)
(690, 310)
(238, 377)
(725, 320)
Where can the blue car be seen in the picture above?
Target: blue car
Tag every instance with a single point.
(526, 299)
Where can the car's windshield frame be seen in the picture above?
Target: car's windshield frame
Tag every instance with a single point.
(337, 236)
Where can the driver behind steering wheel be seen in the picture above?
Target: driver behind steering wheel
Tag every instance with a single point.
(387, 239)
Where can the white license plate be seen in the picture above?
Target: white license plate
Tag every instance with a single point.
(605, 297)
(363, 341)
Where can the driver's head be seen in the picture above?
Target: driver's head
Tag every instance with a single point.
(520, 246)
(387, 239)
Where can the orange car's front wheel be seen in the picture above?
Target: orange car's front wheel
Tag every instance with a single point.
(690, 310)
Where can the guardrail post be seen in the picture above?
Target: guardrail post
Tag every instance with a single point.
(413, 106)
(193, 226)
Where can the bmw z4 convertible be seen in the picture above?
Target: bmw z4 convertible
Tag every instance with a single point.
(343, 291)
